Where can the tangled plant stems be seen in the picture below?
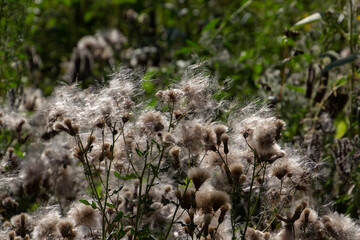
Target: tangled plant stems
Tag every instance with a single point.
(169, 172)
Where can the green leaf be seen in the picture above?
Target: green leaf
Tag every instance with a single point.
(84, 202)
(341, 82)
(93, 205)
(211, 25)
(139, 152)
(118, 217)
(157, 145)
(110, 205)
(340, 62)
(127, 177)
(308, 20)
(341, 123)
(118, 190)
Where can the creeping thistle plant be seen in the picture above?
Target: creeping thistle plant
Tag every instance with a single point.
(168, 172)
(173, 172)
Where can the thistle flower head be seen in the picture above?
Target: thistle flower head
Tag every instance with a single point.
(198, 176)
(151, 122)
(219, 131)
(218, 199)
(84, 215)
(66, 229)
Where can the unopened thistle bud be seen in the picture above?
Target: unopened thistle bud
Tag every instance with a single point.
(125, 118)
(219, 131)
(11, 151)
(266, 236)
(90, 141)
(236, 170)
(211, 231)
(207, 220)
(22, 224)
(225, 140)
(209, 139)
(19, 125)
(71, 129)
(59, 127)
(11, 235)
(224, 208)
(100, 122)
(242, 179)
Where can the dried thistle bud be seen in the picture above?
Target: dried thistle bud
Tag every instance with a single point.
(11, 235)
(79, 154)
(266, 236)
(11, 151)
(191, 214)
(90, 141)
(22, 224)
(187, 220)
(225, 140)
(7, 224)
(168, 138)
(27, 237)
(68, 123)
(167, 188)
(100, 123)
(125, 117)
(198, 176)
(19, 125)
(211, 230)
(71, 130)
(218, 198)
(175, 153)
(66, 229)
(186, 199)
(209, 139)
(298, 210)
(224, 208)
(236, 170)
(9, 204)
(178, 114)
(207, 219)
(219, 131)
(242, 179)
(279, 126)
(59, 127)
(280, 170)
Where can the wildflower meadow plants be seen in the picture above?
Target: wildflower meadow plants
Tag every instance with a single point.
(114, 167)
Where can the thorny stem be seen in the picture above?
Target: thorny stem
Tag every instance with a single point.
(176, 209)
(249, 197)
(281, 208)
(261, 190)
(127, 151)
(227, 169)
(108, 170)
(88, 175)
(147, 189)
(351, 43)
(171, 116)
(138, 218)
